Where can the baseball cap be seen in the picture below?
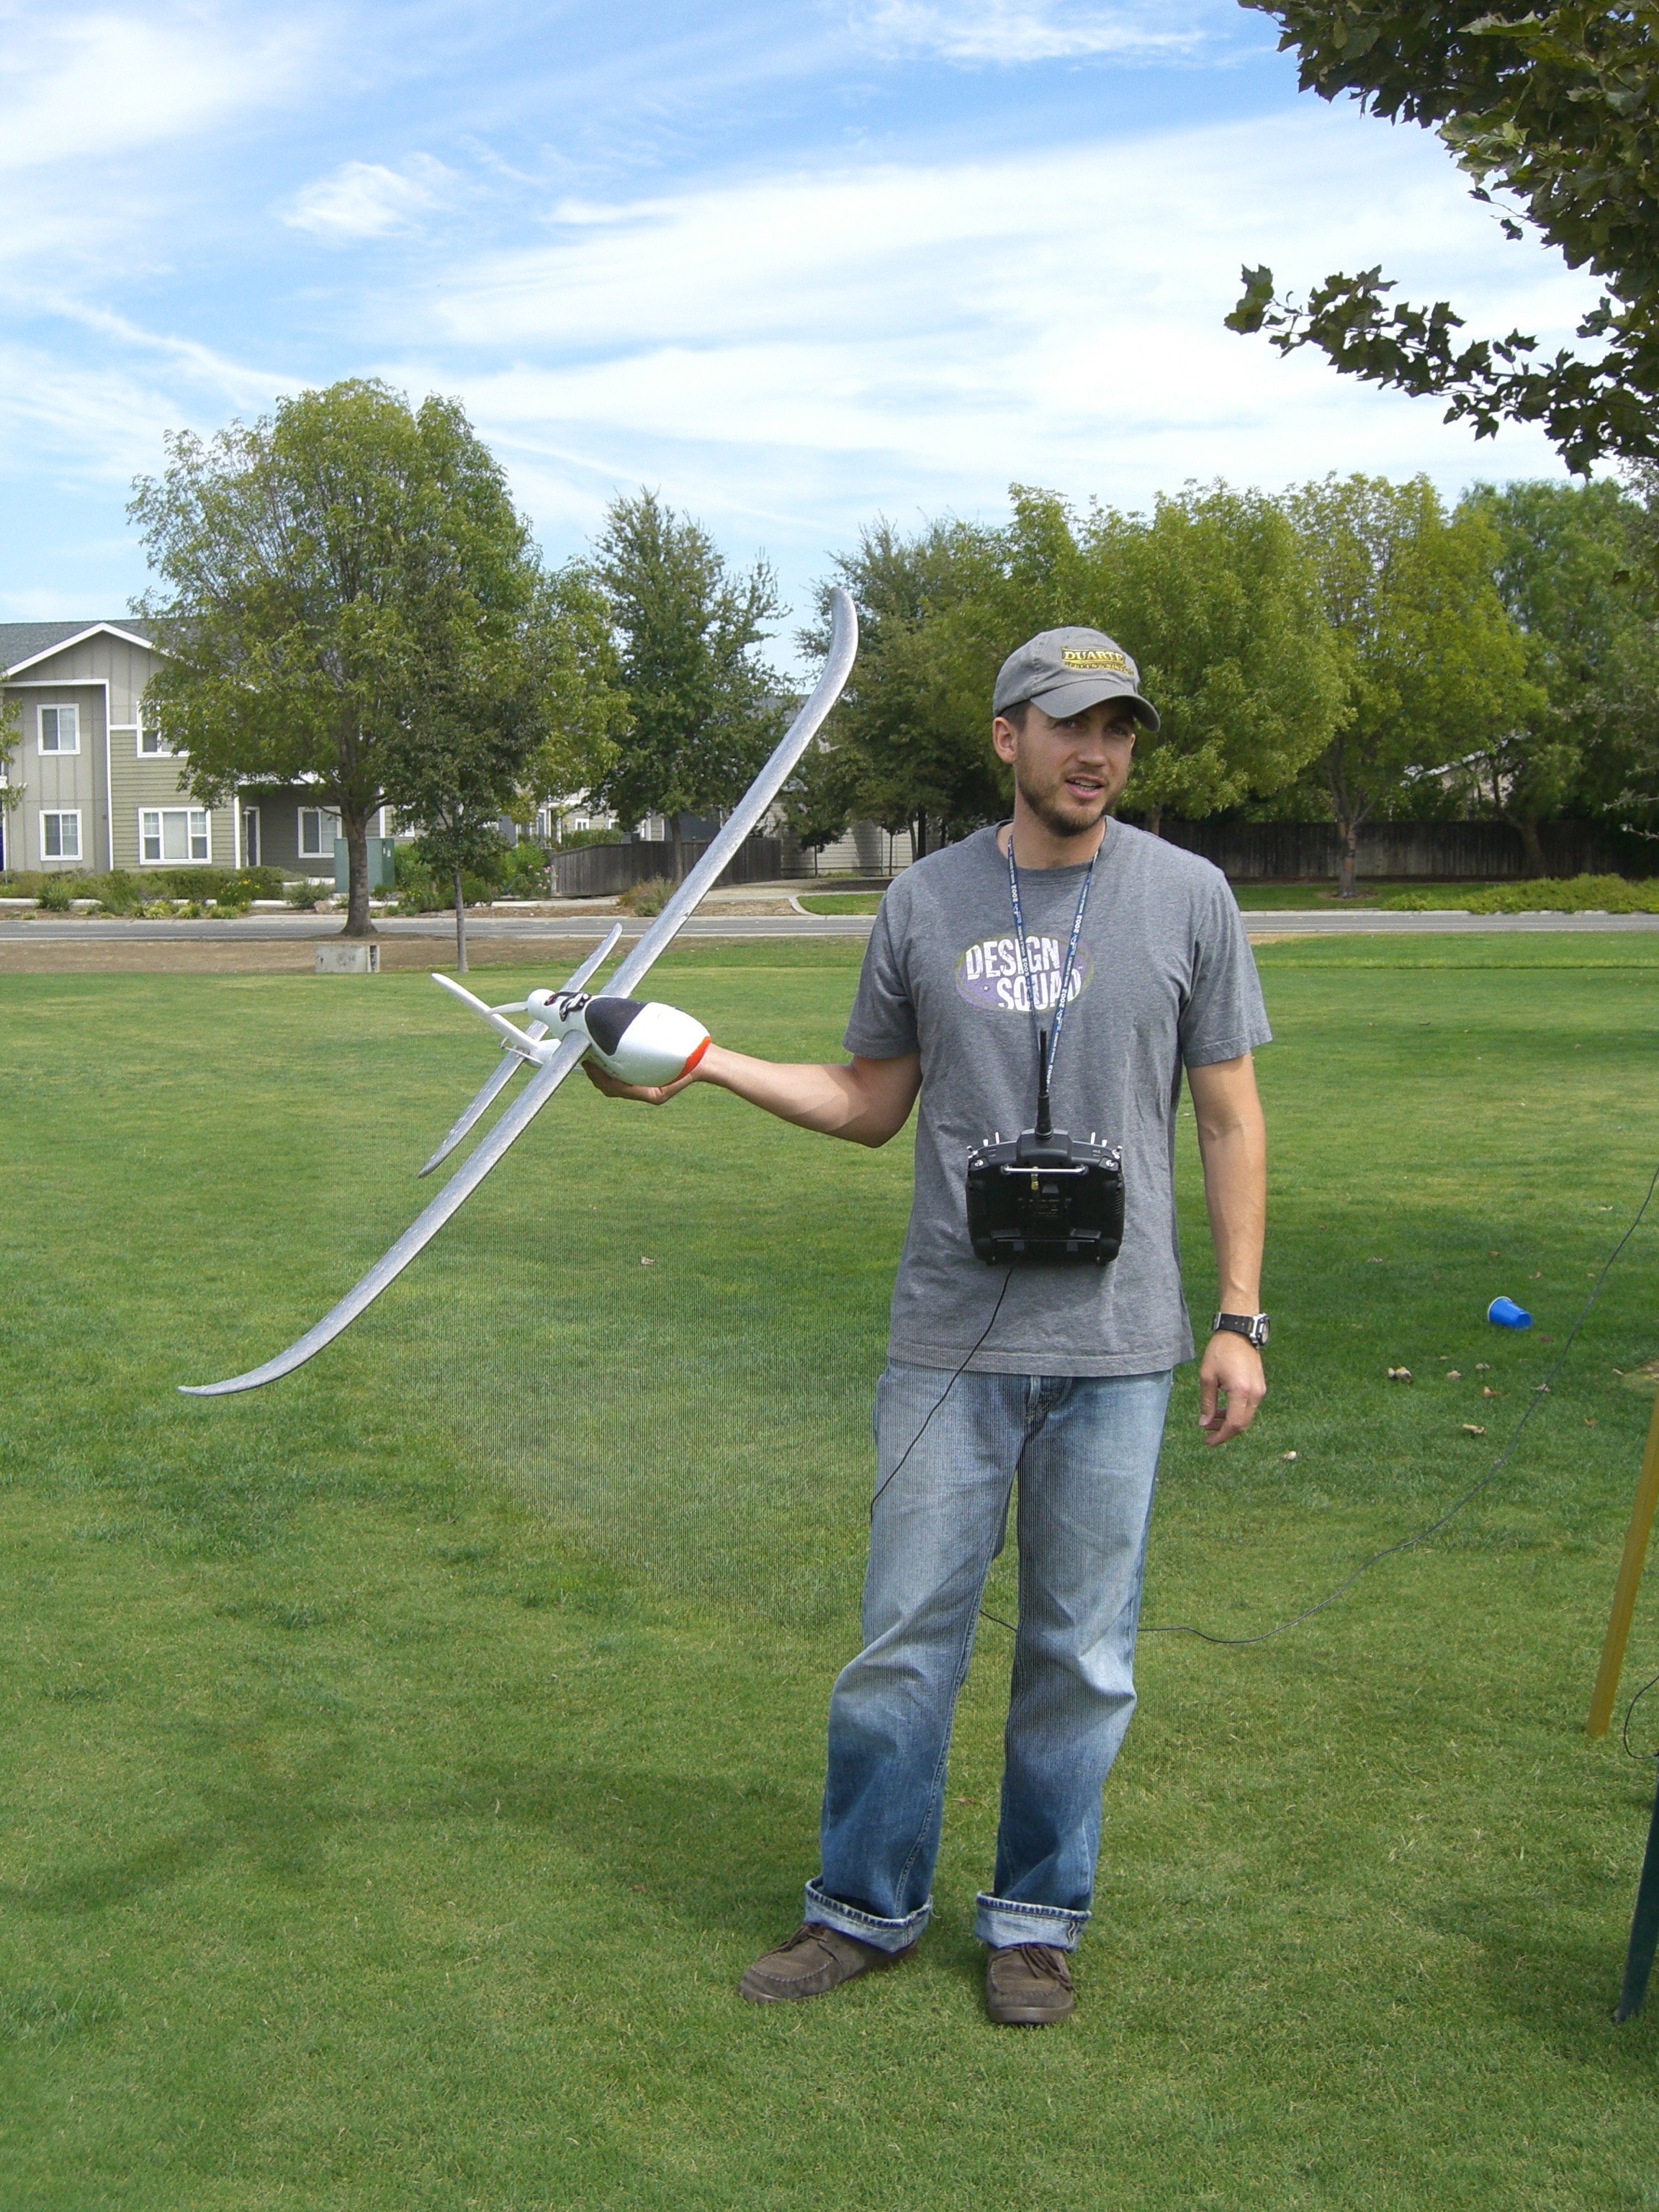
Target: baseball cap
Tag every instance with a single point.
(1064, 671)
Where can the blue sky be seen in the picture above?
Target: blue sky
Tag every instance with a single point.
(795, 266)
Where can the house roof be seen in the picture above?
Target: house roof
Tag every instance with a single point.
(23, 642)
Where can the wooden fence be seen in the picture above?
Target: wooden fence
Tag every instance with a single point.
(602, 870)
(1287, 852)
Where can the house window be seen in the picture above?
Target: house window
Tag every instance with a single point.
(318, 830)
(60, 836)
(173, 833)
(60, 729)
(152, 744)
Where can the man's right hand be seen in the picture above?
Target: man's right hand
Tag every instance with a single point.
(648, 1094)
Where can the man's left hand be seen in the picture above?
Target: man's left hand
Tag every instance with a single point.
(1230, 1386)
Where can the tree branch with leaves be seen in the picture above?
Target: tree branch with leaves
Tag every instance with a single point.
(1550, 111)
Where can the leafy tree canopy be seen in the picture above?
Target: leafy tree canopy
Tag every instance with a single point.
(703, 710)
(1213, 593)
(1551, 113)
(1434, 666)
(347, 593)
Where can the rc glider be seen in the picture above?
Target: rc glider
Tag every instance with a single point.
(647, 1043)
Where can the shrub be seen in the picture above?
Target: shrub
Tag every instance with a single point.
(117, 892)
(56, 893)
(648, 898)
(302, 897)
(524, 870)
(421, 892)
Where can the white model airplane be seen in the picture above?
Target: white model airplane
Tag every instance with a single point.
(638, 1042)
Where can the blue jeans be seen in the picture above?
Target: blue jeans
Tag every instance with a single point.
(1086, 1451)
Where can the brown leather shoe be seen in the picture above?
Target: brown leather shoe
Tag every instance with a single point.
(1028, 1985)
(813, 1959)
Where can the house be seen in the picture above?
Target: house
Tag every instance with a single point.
(98, 786)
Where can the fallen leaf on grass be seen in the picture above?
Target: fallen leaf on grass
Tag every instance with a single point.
(1487, 1390)
(1400, 1375)
(1287, 1455)
(647, 1263)
(1472, 1429)
(1454, 1375)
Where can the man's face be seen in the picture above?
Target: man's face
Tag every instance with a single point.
(1069, 772)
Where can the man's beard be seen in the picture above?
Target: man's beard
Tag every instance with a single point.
(1056, 813)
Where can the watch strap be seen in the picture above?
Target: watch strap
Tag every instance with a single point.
(1254, 1328)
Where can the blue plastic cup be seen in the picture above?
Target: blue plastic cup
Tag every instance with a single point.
(1508, 1315)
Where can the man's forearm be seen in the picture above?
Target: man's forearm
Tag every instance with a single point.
(1232, 1142)
(1235, 1193)
(866, 1102)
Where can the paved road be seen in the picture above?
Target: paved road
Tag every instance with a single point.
(440, 928)
(278, 928)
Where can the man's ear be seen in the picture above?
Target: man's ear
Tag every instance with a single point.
(1003, 737)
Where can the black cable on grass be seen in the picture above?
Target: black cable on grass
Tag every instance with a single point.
(1539, 1389)
(1624, 1732)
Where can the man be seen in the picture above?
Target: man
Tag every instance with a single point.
(1129, 955)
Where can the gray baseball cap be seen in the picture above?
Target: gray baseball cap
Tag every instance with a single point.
(1064, 671)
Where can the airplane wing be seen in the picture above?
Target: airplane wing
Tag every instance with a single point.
(744, 817)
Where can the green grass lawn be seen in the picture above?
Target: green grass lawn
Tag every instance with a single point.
(403, 1763)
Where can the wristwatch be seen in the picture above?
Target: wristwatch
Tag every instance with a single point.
(1252, 1327)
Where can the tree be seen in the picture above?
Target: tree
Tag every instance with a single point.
(910, 740)
(1569, 557)
(329, 572)
(703, 710)
(1218, 598)
(456, 766)
(1433, 667)
(587, 707)
(11, 728)
(1214, 595)
(1550, 108)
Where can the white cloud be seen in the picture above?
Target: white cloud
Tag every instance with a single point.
(362, 199)
(788, 355)
(1018, 30)
(104, 82)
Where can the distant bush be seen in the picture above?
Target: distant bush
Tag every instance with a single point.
(648, 898)
(303, 897)
(57, 891)
(525, 871)
(573, 838)
(421, 891)
(116, 892)
(1537, 895)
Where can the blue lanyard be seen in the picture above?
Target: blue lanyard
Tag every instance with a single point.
(1064, 1000)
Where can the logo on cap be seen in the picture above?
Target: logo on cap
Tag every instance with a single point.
(1118, 663)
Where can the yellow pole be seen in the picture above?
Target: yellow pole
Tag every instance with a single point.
(1630, 1581)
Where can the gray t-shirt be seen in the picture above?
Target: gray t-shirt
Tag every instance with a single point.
(1164, 979)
